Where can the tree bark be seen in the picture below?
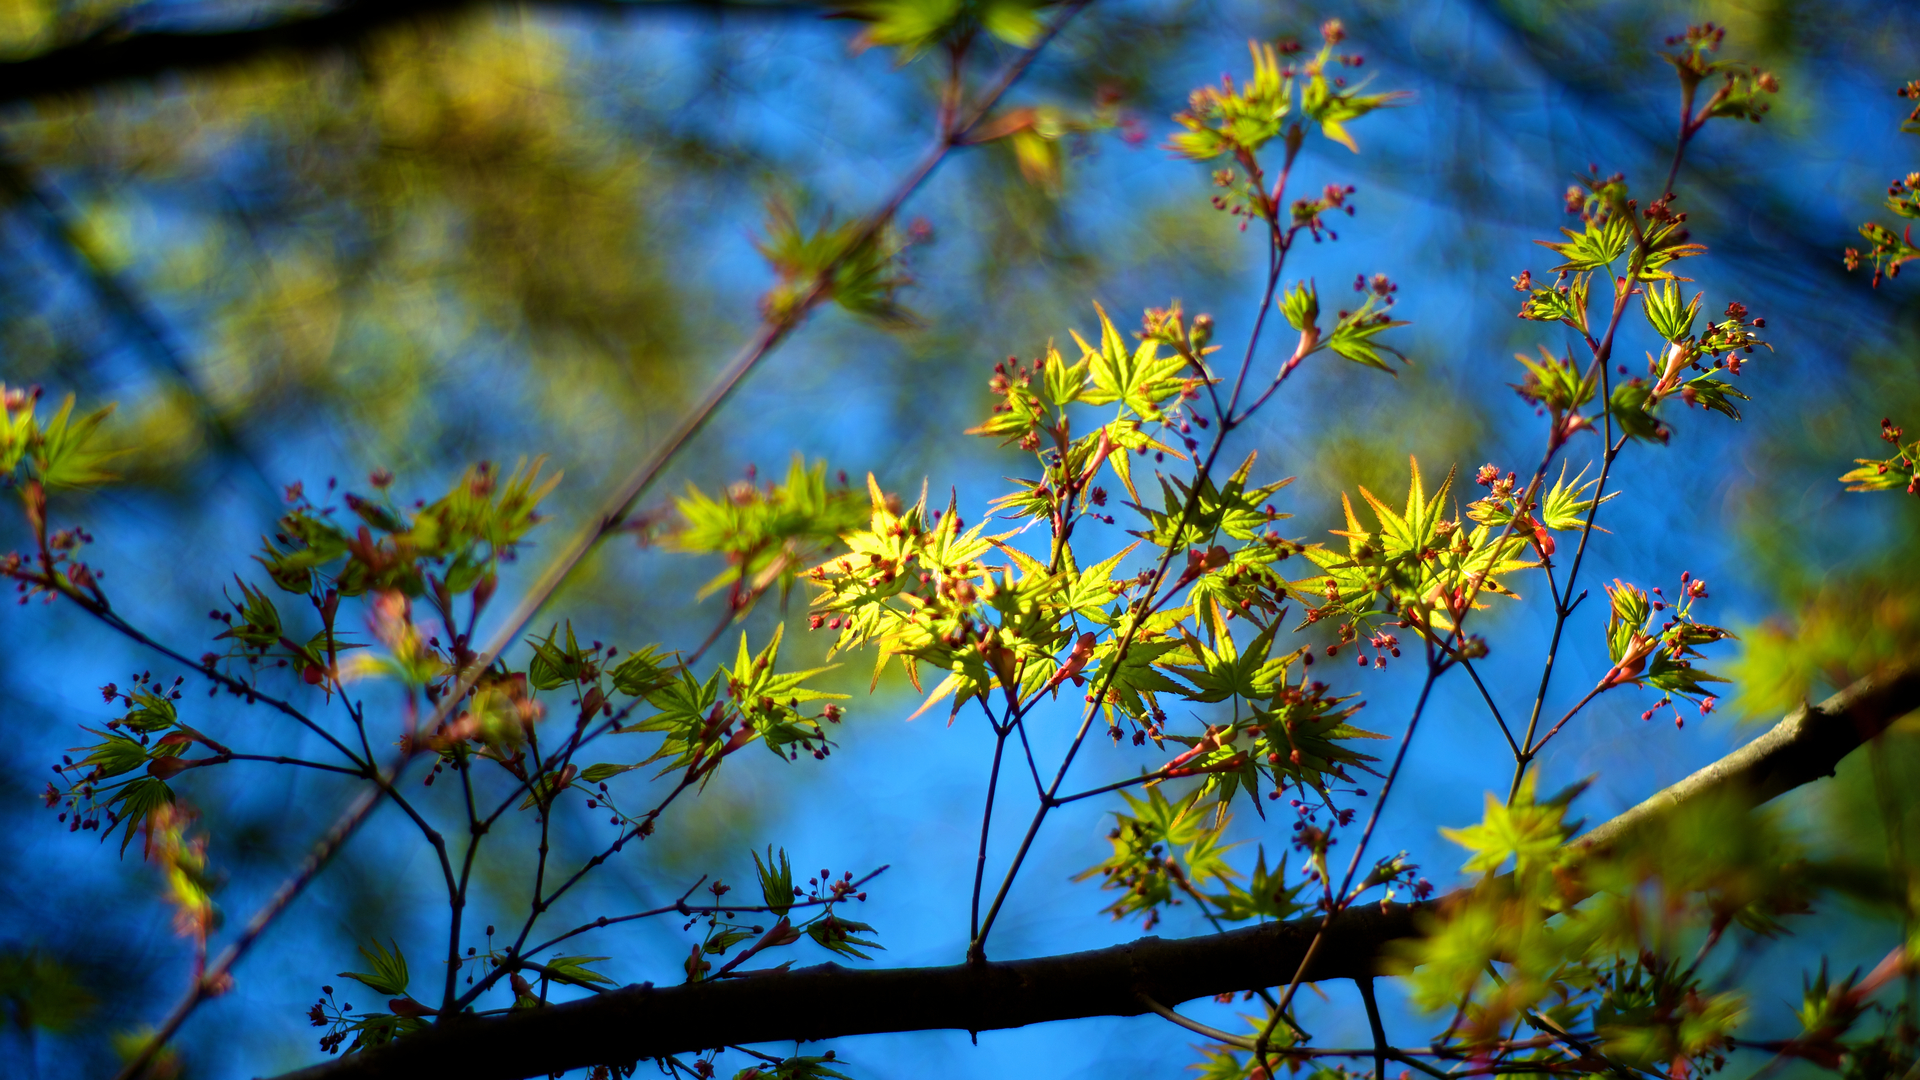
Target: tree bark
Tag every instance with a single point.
(829, 1001)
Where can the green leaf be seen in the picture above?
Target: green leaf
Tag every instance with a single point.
(1248, 674)
(1015, 22)
(1238, 118)
(1599, 244)
(1527, 832)
(768, 532)
(1668, 311)
(910, 25)
(1566, 505)
(1333, 109)
(1265, 896)
(41, 991)
(861, 267)
(119, 754)
(793, 1068)
(1139, 378)
(68, 454)
(574, 969)
(1712, 392)
(1629, 408)
(1627, 618)
(723, 940)
(1301, 305)
(642, 672)
(1063, 382)
(1353, 336)
(555, 665)
(134, 804)
(1153, 835)
(389, 975)
(683, 704)
(776, 882)
(1555, 382)
(1564, 303)
(836, 934)
(1135, 679)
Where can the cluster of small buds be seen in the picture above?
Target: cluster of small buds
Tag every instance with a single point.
(1666, 701)
(483, 481)
(1167, 326)
(80, 778)
(1661, 210)
(20, 397)
(1593, 197)
(1705, 36)
(1010, 371)
(1307, 213)
(1384, 645)
(1233, 207)
(1890, 432)
(1151, 730)
(1498, 487)
(328, 1013)
(1732, 339)
(68, 539)
(56, 559)
(1691, 587)
(1380, 285)
(827, 889)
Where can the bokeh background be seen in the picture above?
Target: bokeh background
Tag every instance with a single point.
(487, 231)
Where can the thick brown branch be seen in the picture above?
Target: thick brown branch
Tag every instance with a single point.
(1800, 749)
(830, 1001)
(112, 57)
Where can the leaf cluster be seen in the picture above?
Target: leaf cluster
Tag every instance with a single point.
(851, 263)
(767, 533)
(1901, 471)
(451, 545)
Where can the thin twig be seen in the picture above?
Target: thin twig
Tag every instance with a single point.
(1379, 1030)
(986, 823)
(1495, 709)
(1224, 425)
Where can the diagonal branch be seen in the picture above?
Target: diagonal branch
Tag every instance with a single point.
(829, 1001)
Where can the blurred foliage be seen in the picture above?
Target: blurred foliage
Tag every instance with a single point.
(41, 992)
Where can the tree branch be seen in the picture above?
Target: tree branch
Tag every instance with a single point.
(829, 1001)
(113, 55)
(1807, 745)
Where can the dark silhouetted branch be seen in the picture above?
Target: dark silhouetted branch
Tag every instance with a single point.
(116, 56)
